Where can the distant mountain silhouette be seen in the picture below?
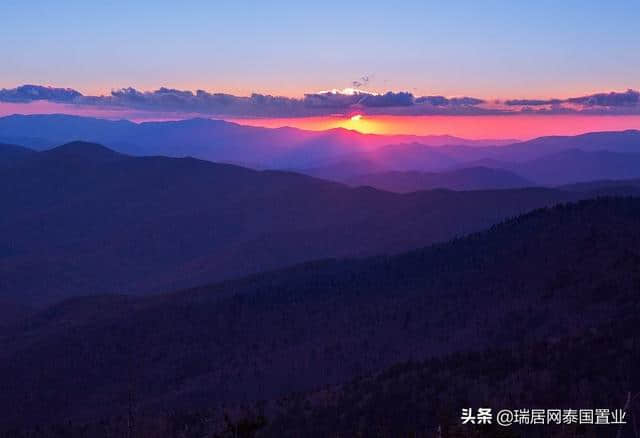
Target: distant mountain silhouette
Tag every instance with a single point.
(613, 141)
(575, 165)
(546, 160)
(91, 152)
(472, 178)
(548, 275)
(336, 154)
(80, 219)
(603, 185)
(412, 156)
(397, 157)
(213, 140)
(344, 169)
(43, 131)
(572, 166)
(11, 154)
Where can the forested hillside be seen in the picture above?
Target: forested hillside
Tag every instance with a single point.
(548, 275)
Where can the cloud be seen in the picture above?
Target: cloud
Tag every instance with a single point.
(388, 99)
(627, 102)
(170, 100)
(29, 93)
(613, 99)
(403, 99)
(465, 101)
(348, 98)
(333, 99)
(433, 100)
(454, 101)
(532, 102)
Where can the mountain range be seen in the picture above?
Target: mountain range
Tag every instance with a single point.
(569, 166)
(340, 154)
(83, 219)
(373, 287)
(546, 276)
(213, 140)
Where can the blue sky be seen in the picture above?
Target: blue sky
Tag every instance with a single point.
(479, 48)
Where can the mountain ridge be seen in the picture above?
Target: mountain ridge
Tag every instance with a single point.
(466, 178)
(215, 140)
(184, 221)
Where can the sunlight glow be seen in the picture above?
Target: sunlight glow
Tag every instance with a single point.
(347, 92)
(520, 127)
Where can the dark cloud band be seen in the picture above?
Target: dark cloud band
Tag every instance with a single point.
(613, 100)
(331, 102)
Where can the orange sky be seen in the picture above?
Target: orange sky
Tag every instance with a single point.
(501, 126)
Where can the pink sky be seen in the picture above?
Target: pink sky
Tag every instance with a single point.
(494, 126)
(475, 127)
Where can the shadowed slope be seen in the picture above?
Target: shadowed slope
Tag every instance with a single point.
(471, 178)
(11, 154)
(551, 273)
(81, 219)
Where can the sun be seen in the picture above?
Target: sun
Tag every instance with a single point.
(360, 123)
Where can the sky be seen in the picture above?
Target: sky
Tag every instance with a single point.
(488, 50)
